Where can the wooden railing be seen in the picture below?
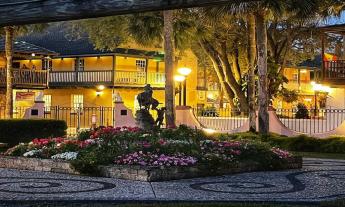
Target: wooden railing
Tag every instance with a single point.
(109, 77)
(334, 70)
(80, 77)
(25, 77)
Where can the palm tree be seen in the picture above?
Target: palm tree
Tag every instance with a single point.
(251, 25)
(169, 50)
(9, 30)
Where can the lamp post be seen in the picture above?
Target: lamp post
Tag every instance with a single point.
(184, 72)
(319, 88)
(180, 79)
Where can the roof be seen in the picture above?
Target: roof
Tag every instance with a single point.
(337, 29)
(312, 63)
(55, 39)
(27, 48)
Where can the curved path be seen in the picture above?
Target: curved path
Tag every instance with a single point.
(319, 180)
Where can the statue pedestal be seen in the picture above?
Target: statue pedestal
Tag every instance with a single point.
(144, 119)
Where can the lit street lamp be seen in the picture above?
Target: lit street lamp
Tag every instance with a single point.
(184, 72)
(180, 79)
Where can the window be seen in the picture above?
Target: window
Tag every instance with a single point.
(47, 64)
(77, 101)
(295, 77)
(79, 64)
(47, 102)
(140, 64)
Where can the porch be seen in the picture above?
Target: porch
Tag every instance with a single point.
(106, 77)
(24, 78)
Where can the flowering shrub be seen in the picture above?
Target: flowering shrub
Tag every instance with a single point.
(65, 156)
(33, 153)
(168, 147)
(149, 159)
(282, 154)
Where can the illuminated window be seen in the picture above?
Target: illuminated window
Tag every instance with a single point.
(295, 77)
(77, 101)
(141, 64)
(47, 102)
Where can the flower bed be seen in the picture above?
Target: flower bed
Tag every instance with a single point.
(161, 155)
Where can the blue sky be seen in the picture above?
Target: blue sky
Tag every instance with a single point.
(336, 20)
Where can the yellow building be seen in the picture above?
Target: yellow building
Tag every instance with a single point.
(73, 74)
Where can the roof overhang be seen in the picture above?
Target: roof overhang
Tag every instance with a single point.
(334, 29)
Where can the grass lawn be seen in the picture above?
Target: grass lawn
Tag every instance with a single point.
(321, 155)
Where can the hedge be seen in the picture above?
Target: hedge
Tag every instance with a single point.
(300, 143)
(14, 131)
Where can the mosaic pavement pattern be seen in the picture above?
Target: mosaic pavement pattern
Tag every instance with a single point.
(319, 180)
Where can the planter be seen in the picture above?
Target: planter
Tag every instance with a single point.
(139, 173)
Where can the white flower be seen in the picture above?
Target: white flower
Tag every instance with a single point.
(65, 156)
(32, 153)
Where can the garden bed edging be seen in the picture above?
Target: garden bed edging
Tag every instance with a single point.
(139, 173)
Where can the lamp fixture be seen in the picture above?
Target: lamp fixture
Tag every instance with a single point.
(179, 78)
(184, 71)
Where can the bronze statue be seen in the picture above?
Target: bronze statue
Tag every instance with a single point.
(147, 102)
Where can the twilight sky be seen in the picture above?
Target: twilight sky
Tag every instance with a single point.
(336, 20)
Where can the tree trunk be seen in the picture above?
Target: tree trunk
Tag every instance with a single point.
(230, 79)
(251, 72)
(229, 94)
(261, 33)
(169, 59)
(9, 71)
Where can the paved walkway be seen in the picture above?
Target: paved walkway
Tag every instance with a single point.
(319, 180)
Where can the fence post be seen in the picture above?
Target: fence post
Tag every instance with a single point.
(101, 116)
(78, 117)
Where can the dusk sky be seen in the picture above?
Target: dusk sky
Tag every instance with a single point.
(336, 20)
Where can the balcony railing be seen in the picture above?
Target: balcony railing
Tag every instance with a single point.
(109, 77)
(25, 78)
(134, 78)
(80, 77)
(334, 70)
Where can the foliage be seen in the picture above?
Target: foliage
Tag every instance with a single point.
(15, 131)
(149, 159)
(300, 143)
(166, 147)
(302, 111)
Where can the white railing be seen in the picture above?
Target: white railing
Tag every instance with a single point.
(62, 77)
(156, 78)
(95, 76)
(130, 77)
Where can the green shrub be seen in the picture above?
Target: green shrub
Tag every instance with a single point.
(300, 143)
(16, 131)
(90, 158)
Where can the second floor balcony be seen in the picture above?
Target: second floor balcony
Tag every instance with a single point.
(106, 77)
(334, 72)
(24, 78)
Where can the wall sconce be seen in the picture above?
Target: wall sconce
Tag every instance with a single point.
(100, 89)
(99, 93)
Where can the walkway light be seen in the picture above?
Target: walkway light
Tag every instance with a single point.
(209, 131)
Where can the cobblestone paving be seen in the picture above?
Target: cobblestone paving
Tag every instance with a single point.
(319, 180)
